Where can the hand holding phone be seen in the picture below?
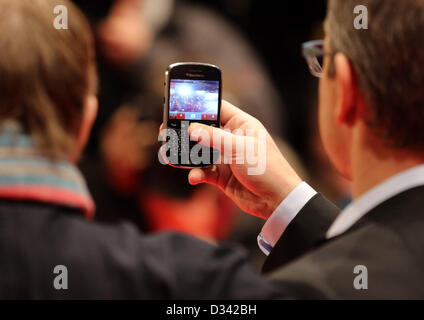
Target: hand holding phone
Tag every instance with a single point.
(257, 194)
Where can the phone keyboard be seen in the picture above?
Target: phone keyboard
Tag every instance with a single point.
(180, 143)
(180, 147)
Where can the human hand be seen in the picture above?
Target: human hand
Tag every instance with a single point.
(257, 194)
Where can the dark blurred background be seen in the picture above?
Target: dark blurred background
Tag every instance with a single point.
(276, 30)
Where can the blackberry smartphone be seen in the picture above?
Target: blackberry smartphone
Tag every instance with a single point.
(192, 94)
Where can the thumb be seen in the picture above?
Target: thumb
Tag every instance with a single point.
(211, 137)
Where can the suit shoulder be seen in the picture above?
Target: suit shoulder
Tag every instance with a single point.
(372, 251)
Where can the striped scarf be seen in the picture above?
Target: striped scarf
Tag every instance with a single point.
(28, 175)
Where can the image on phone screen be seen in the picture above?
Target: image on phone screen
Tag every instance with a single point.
(193, 100)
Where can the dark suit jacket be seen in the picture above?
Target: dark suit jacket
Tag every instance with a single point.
(109, 261)
(113, 261)
(388, 241)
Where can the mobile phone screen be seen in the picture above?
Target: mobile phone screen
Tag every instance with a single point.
(193, 100)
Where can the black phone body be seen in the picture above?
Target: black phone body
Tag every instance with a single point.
(192, 94)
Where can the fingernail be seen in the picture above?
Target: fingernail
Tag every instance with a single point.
(193, 126)
(196, 177)
(194, 134)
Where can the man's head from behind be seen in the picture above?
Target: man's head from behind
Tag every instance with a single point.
(373, 82)
(47, 75)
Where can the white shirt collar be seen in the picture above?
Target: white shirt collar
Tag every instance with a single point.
(403, 181)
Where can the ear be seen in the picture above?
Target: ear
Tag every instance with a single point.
(88, 117)
(348, 108)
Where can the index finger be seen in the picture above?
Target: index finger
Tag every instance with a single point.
(229, 111)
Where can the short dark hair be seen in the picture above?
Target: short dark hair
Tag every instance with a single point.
(45, 73)
(388, 59)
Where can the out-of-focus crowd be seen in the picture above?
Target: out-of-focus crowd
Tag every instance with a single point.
(136, 40)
